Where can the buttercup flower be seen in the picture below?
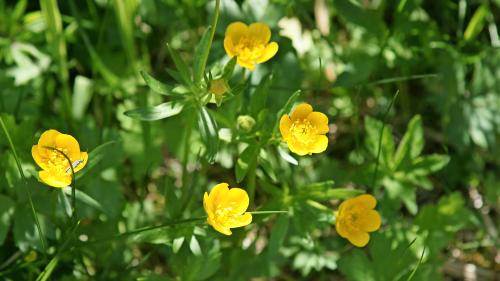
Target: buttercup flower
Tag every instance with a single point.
(250, 44)
(304, 131)
(48, 154)
(356, 217)
(226, 208)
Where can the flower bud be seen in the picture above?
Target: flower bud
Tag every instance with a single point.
(245, 123)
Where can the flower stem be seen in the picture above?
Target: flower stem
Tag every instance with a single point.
(212, 34)
(137, 231)
(268, 212)
(33, 211)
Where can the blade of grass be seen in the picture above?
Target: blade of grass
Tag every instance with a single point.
(55, 38)
(416, 267)
(28, 192)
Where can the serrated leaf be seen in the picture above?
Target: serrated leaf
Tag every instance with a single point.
(201, 55)
(425, 165)
(161, 111)
(373, 142)
(412, 143)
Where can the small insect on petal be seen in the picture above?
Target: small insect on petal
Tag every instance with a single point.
(75, 164)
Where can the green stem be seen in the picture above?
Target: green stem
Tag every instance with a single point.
(19, 167)
(384, 120)
(73, 187)
(268, 212)
(212, 34)
(137, 231)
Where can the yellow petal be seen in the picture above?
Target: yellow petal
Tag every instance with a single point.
(206, 205)
(369, 221)
(245, 64)
(269, 52)
(220, 228)
(341, 228)
(358, 238)
(84, 156)
(229, 47)
(301, 111)
(55, 180)
(217, 194)
(236, 30)
(285, 124)
(297, 148)
(236, 198)
(48, 139)
(320, 144)
(366, 201)
(242, 220)
(71, 144)
(39, 158)
(260, 32)
(320, 121)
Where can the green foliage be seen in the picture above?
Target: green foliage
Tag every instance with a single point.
(97, 70)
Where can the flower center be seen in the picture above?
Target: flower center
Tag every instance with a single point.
(249, 49)
(225, 214)
(303, 131)
(56, 160)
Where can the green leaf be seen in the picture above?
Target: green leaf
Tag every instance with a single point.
(229, 69)
(156, 85)
(181, 66)
(425, 165)
(356, 266)
(82, 94)
(209, 133)
(325, 191)
(161, 111)
(477, 22)
(365, 18)
(6, 211)
(246, 160)
(84, 198)
(194, 246)
(177, 244)
(278, 234)
(95, 156)
(259, 97)
(201, 55)
(412, 143)
(373, 128)
(287, 157)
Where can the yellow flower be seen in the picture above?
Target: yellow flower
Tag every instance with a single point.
(250, 44)
(48, 154)
(356, 217)
(226, 208)
(304, 131)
